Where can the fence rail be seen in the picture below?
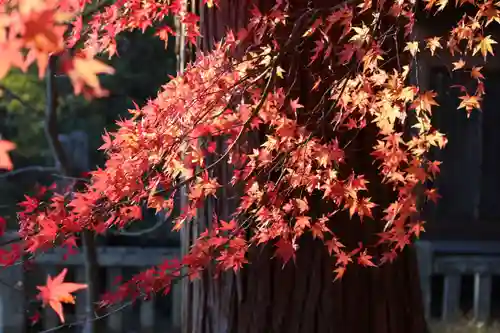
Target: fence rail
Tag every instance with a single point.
(113, 261)
(453, 260)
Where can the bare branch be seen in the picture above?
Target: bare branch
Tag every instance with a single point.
(138, 233)
(51, 130)
(84, 321)
(34, 168)
(80, 179)
(10, 241)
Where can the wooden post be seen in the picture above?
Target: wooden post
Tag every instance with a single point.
(12, 309)
(482, 297)
(147, 315)
(451, 297)
(424, 256)
(76, 148)
(176, 294)
(81, 311)
(115, 320)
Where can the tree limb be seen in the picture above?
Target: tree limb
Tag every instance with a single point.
(63, 163)
(34, 168)
(138, 233)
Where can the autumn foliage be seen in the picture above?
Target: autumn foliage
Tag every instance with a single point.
(56, 292)
(203, 119)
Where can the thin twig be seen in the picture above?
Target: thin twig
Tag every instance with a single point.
(138, 233)
(84, 321)
(236, 140)
(34, 168)
(51, 130)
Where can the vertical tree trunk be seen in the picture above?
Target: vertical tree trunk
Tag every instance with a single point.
(302, 297)
(66, 168)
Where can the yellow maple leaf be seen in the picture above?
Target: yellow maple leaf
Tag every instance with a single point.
(412, 47)
(361, 34)
(279, 72)
(442, 4)
(485, 46)
(433, 44)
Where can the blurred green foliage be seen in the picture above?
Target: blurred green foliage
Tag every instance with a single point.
(143, 65)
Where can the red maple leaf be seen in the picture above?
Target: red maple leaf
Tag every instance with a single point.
(5, 147)
(294, 104)
(56, 292)
(285, 250)
(365, 259)
(35, 318)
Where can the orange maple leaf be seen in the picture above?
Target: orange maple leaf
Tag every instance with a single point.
(5, 147)
(11, 56)
(458, 65)
(470, 103)
(56, 292)
(476, 73)
(83, 71)
(211, 3)
(164, 33)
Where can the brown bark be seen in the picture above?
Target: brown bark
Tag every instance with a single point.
(302, 297)
(266, 297)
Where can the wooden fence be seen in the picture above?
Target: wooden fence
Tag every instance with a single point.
(113, 261)
(453, 261)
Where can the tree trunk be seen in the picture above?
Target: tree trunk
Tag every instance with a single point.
(266, 297)
(67, 168)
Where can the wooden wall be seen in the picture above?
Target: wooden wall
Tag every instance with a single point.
(470, 173)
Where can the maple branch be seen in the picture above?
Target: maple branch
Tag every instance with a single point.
(80, 179)
(84, 321)
(34, 168)
(51, 130)
(10, 241)
(245, 126)
(138, 233)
